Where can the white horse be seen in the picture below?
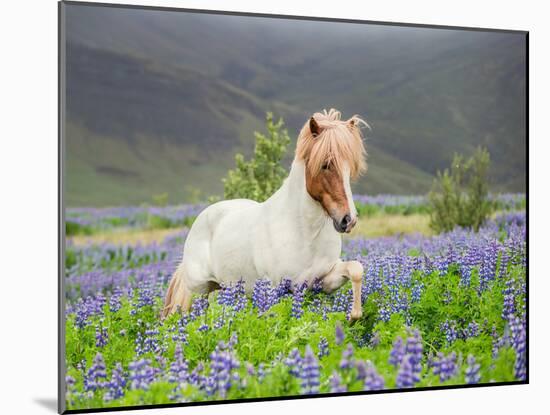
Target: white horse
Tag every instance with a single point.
(295, 234)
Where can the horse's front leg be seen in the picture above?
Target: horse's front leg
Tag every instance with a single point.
(343, 271)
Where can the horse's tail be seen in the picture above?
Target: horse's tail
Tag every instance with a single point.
(178, 295)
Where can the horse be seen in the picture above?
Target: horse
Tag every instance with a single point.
(295, 234)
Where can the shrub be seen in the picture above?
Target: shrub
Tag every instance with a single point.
(459, 196)
(73, 228)
(263, 174)
(160, 199)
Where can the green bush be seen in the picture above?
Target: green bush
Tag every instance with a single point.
(263, 174)
(160, 199)
(364, 209)
(158, 222)
(74, 228)
(459, 196)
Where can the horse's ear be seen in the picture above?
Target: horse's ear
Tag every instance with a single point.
(352, 122)
(314, 127)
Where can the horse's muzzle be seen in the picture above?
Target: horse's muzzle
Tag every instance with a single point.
(345, 225)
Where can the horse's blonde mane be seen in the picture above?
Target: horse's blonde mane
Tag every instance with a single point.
(337, 142)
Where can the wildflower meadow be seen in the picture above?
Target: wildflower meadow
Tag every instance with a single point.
(445, 309)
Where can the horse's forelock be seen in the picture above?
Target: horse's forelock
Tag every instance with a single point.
(338, 142)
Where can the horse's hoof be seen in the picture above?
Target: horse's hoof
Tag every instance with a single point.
(355, 315)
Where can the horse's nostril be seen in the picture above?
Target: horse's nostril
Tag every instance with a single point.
(345, 221)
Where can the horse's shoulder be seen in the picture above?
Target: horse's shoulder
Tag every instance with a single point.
(233, 204)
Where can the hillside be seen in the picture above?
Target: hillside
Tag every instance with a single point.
(160, 102)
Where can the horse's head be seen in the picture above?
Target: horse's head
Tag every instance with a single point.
(334, 154)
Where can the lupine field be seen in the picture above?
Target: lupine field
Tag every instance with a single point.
(447, 309)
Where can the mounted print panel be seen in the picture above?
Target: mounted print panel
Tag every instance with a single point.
(262, 207)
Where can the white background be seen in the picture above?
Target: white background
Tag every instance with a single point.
(28, 231)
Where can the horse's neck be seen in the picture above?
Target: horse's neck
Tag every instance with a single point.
(293, 200)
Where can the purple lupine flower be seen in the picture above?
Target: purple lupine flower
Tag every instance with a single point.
(342, 302)
(416, 292)
(181, 330)
(472, 370)
(160, 364)
(294, 362)
(141, 374)
(298, 300)
(69, 382)
(509, 307)
(317, 286)
(219, 322)
(179, 369)
(373, 381)
(472, 330)
(324, 313)
(226, 295)
(116, 385)
(262, 371)
(263, 295)
(497, 341)
(445, 366)
(233, 296)
(240, 296)
(96, 375)
(405, 375)
(339, 334)
(310, 372)
(233, 340)
(88, 307)
(203, 327)
(316, 305)
(361, 367)
(147, 342)
(519, 343)
(449, 329)
(384, 314)
(336, 385)
(397, 352)
(284, 288)
(115, 300)
(101, 336)
(347, 360)
(196, 378)
(146, 295)
(222, 376)
(199, 307)
(323, 347)
(414, 349)
(250, 369)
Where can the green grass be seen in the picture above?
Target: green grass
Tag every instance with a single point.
(264, 338)
(388, 224)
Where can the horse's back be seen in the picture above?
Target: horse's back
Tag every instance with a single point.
(208, 221)
(215, 213)
(206, 229)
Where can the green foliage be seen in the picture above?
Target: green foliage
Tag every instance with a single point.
(265, 338)
(73, 228)
(364, 209)
(160, 199)
(163, 222)
(263, 174)
(459, 196)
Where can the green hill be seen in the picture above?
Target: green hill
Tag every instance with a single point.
(160, 102)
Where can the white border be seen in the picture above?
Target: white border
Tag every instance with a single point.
(28, 163)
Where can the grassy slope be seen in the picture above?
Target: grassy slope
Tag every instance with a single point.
(149, 168)
(423, 102)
